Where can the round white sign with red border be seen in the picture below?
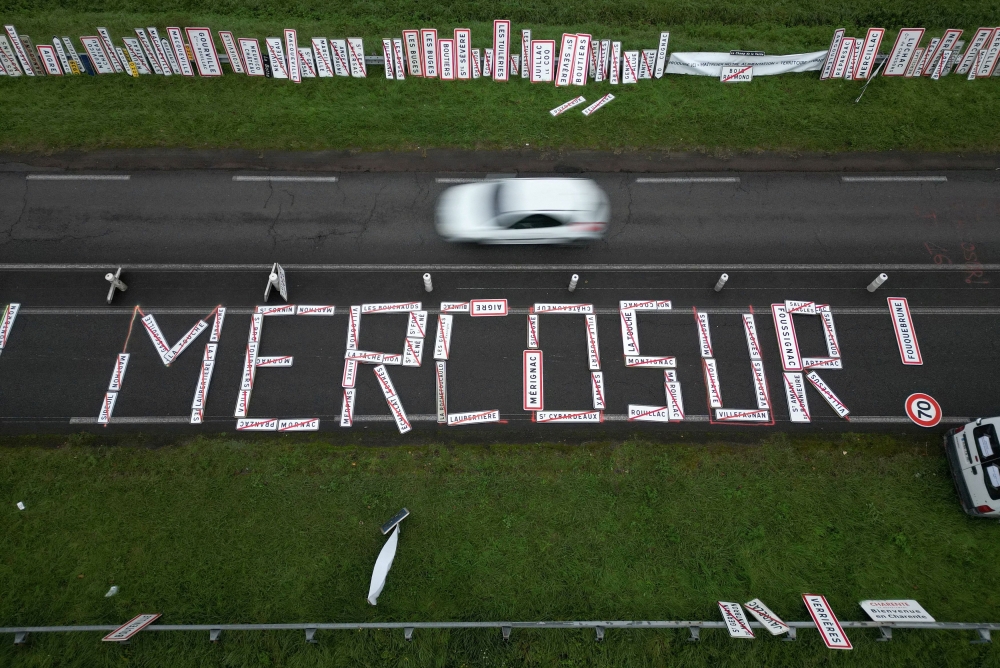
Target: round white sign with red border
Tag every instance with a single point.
(923, 409)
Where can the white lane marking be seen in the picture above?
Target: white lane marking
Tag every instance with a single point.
(493, 268)
(286, 179)
(893, 179)
(78, 177)
(689, 179)
(608, 417)
(458, 180)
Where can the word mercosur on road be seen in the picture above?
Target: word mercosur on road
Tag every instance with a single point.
(798, 372)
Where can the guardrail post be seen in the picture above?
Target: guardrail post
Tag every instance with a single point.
(790, 636)
(600, 633)
(886, 634)
(20, 638)
(984, 637)
(310, 636)
(695, 633)
(408, 633)
(505, 630)
(213, 635)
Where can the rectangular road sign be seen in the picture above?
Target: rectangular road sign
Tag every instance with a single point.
(593, 345)
(257, 424)
(640, 413)
(391, 398)
(532, 331)
(441, 391)
(898, 610)
(597, 390)
(704, 335)
(533, 381)
(650, 361)
(347, 408)
(442, 337)
(130, 628)
(475, 417)
(768, 619)
(791, 360)
(630, 332)
(552, 417)
(711, 370)
(819, 609)
(906, 338)
(416, 326)
(118, 373)
(736, 621)
(488, 307)
(795, 393)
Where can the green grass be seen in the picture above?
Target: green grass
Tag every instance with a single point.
(788, 113)
(218, 530)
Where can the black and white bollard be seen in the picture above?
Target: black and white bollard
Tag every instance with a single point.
(428, 286)
(116, 283)
(573, 281)
(879, 280)
(722, 282)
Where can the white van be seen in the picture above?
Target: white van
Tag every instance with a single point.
(974, 457)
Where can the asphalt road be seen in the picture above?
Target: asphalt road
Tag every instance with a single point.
(367, 238)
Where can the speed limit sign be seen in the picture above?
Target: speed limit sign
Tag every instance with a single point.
(923, 409)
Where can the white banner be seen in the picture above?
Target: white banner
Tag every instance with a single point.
(711, 64)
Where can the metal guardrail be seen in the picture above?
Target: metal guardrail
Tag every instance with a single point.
(600, 627)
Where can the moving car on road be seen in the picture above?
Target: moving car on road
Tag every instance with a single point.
(974, 457)
(524, 211)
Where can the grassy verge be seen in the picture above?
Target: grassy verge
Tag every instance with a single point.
(218, 530)
(786, 113)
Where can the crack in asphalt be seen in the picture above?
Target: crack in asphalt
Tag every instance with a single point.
(371, 213)
(9, 232)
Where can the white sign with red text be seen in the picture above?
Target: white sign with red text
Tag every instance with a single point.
(826, 622)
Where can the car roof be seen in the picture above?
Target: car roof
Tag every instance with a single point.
(545, 195)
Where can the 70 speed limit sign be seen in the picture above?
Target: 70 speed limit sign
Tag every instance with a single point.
(923, 409)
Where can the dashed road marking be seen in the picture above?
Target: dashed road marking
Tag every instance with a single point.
(893, 179)
(689, 179)
(78, 177)
(285, 179)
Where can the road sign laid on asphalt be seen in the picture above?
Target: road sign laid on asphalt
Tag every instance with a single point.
(923, 409)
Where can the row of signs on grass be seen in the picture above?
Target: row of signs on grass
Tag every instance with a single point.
(573, 60)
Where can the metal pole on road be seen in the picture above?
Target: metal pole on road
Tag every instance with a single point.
(428, 286)
(721, 283)
(116, 283)
(572, 282)
(879, 280)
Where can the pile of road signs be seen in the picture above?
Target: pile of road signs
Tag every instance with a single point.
(854, 58)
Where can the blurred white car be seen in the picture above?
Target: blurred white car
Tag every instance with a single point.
(524, 211)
